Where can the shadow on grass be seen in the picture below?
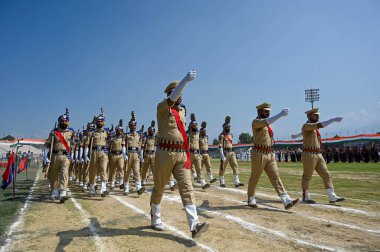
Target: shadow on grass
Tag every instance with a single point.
(66, 237)
(206, 205)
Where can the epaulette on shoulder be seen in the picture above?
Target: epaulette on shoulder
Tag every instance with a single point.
(72, 129)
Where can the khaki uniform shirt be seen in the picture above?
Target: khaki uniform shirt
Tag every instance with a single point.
(133, 140)
(224, 143)
(194, 140)
(167, 126)
(99, 137)
(309, 133)
(67, 134)
(150, 143)
(116, 143)
(261, 136)
(203, 143)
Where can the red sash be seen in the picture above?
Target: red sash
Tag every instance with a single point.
(270, 132)
(63, 141)
(228, 137)
(184, 136)
(319, 138)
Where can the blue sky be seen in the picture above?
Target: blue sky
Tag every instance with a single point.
(120, 55)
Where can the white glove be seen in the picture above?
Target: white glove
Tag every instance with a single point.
(86, 159)
(47, 160)
(81, 154)
(330, 121)
(283, 113)
(124, 151)
(178, 89)
(141, 156)
(222, 154)
(296, 136)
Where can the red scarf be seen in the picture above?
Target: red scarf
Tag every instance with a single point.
(63, 141)
(184, 136)
(228, 137)
(319, 137)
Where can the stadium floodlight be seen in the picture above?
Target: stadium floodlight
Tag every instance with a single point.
(312, 95)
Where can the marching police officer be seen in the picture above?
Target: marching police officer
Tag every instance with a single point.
(173, 156)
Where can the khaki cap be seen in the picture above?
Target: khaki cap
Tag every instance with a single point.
(312, 111)
(171, 86)
(264, 105)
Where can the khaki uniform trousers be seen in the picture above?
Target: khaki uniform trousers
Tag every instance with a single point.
(266, 162)
(59, 172)
(77, 169)
(196, 162)
(148, 163)
(230, 158)
(166, 163)
(85, 173)
(133, 164)
(71, 168)
(315, 162)
(205, 161)
(116, 164)
(98, 165)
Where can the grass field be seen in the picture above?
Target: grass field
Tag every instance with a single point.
(122, 222)
(352, 180)
(10, 205)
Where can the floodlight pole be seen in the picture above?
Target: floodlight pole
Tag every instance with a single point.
(312, 95)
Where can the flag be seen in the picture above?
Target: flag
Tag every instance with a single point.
(23, 165)
(8, 174)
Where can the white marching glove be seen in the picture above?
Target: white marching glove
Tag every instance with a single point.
(283, 113)
(81, 155)
(222, 155)
(332, 120)
(124, 151)
(86, 158)
(296, 136)
(178, 89)
(45, 155)
(142, 156)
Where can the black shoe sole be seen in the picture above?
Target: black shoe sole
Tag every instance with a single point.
(205, 186)
(200, 231)
(142, 189)
(294, 202)
(223, 185)
(63, 199)
(253, 206)
(338, 200)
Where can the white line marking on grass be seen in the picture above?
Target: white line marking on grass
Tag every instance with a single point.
(351, 226)
(171, 228)
(17, 224)
(256, 228)
(339, 208)
(86, 220)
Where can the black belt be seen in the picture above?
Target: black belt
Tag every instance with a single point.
(204, 151)
(116, 152)
(60, 152)
(149, 152)
(195, 151)
(99, 148)
(228, 149)
(133, 150)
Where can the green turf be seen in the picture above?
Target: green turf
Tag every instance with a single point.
(10, 205)
(352, 180)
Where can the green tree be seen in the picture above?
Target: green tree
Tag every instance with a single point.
(9, 138)
(245, 138)
(215, 141)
